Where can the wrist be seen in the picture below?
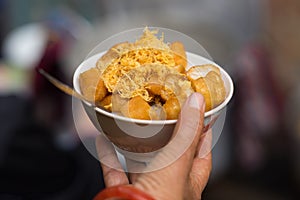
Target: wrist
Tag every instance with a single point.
(122, 192)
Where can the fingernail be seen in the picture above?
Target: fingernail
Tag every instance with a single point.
(196, 101)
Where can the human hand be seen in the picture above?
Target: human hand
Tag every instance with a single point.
(185, 178)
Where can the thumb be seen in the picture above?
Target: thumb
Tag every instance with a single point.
(180, 152)
(187, 132)
(186, 136)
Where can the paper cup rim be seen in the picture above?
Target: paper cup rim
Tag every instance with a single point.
(155, 122)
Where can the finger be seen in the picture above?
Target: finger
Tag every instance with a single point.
(182, 147)
(188, 132)
(205, 145)
(201, 167)
(113, 173)
(134, 166)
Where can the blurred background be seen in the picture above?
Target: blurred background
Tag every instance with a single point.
(257, 42)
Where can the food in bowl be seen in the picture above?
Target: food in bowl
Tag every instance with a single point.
(149, 79)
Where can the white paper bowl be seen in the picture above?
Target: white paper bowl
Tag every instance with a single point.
(133, 136)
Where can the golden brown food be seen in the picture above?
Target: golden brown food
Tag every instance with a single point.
(157, 112)
(200, 86)
(172, 108)
(136, 108)
(155, 84)
(123, 57)
(117, 102)
(136, 82)
(159, 90)
(147, 79)
(206, 79)
(155, 89)
(106, 103)
(179, 56)
(92, 86)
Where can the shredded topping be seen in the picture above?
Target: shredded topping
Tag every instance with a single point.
(121, 58)
(131, 60)
(134, 83)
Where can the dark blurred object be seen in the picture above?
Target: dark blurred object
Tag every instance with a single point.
(282, 39)
(32, 167)
(266, 74)
(258, 109)
(49, 101)
(34, 162)
(3, 22)
(262, 144)
(63, 28)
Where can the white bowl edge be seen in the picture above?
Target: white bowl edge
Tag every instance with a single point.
(193, 60)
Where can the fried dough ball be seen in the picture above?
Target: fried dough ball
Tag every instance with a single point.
(198, 71)
(106, 103)
(92, 86)
(216, 87)
(200, 86)
(172, 108)
(207, 80)
(117, 102)
(136, 108)
(159, 90)
(157, 112)
(179, 56)
(154, 88)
